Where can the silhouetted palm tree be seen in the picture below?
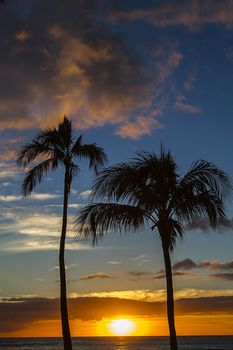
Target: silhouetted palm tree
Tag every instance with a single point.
(149, 190)
(51, 148)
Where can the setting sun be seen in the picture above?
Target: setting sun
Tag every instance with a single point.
(122, 326)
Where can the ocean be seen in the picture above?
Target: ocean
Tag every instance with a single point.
(119, 343)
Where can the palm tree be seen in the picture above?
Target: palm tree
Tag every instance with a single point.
(49, 149)
(149, 190)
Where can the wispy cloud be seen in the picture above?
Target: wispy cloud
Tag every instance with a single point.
(142, 259)
(114, 262)
(85, 194)
(183, 106)
(191, 79)
(8, 170)
(96, 276)
(193, 14)
(67, 267)
(8, 147)
(34, 196)
(28, 229)
(10, 198)
(44, 196)
(136, 275)
(160, 276)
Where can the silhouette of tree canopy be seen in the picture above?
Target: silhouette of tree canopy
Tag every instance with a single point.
(148, 190)
(50, 149)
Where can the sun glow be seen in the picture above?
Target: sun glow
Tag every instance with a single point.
(121, 326)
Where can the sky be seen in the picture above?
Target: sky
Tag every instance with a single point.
(130, 75)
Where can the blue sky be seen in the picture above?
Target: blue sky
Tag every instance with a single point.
(130, 76)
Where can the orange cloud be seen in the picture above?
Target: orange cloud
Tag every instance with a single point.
(141, 126)
(23, 35)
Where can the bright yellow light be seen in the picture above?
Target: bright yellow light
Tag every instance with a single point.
(122, 326)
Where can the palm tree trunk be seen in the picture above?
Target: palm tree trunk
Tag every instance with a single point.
(170, 299)
(63, 299)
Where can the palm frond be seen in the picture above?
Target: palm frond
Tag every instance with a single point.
(50, 138)
(98, 219)
(36, 174)
(96, 155)
(202, 205)
(76, 145)
(116, 181)
(146, 181)
(207, 175)
(202, 193)
(177, 231)
(31, 151)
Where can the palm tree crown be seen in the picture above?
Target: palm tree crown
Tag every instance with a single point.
(54, 147)
(149, 190)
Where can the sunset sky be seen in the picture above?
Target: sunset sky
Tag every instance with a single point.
(130, 75)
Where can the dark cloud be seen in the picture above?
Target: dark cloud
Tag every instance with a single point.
(175, 274)
(136, 275)
(188, 264)
(96, 276)
(16, 313)
(208, 306)
(216, 265)
(223, 276)
(158, 276)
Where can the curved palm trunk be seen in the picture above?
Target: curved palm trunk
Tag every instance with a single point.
(63, 299)
(170, 299)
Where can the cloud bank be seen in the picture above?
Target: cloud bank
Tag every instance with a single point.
(28, 310)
